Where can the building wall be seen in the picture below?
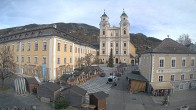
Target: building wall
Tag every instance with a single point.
(167, 70)
(51, 54)
(145, 65)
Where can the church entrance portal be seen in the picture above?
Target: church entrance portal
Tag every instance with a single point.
(116, 60)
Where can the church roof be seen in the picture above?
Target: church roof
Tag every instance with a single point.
(170, 46)
(124, 14)
(104, 15)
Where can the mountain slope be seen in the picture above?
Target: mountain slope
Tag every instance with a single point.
(91, 34)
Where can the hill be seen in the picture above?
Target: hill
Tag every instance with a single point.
(142, 42)
(90, 34)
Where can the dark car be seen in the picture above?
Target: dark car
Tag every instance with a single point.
(102, 75)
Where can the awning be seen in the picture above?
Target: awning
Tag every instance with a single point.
(161, 85)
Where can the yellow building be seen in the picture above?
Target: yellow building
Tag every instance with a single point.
(46, 52)
(169, 66)
(117, 39)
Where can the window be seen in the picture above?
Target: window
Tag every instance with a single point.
(103, 45)
(28, 59)
(111, 44)
(70, 60)
(111, 34)
(103, 52)
(44, 60)
(59, 46)
(13, 47)
(117, 52)
(18, 47)
(182, 77)
(116, 33)
(17, 58)
(64, 60)
(125, 44)
(44, 46)
(70, 48)
(36, 46)
(183, 62)
(35, 59)
(103, 32)
(117, 44)
(172, 77)
(76, 49)
(191, 76)
(22, 59)
(22, 46)
(173, 63)
(125, 52)
(58, 61)
(29, 46)
(65, 47)
(161, 63)
(124, 32)
(192, 62)
(160, 78)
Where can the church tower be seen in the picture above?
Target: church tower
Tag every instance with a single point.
(117, 39)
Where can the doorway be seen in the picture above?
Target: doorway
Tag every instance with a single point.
(116, 60)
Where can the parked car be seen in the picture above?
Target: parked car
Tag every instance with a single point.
(102, 75)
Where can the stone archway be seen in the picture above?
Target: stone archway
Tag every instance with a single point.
(116, 60)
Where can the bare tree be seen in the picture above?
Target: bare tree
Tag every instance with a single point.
(88, 59)
(7, 65)
(184, 39)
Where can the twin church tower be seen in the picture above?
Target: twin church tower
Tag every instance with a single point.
(117, 39)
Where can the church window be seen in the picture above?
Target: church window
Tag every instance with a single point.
(111, 34)
(125, 44)
(111, 44)
(103, 45)
(103, 32)
(124, 31)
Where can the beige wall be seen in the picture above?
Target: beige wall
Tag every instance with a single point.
(145, 66)
(52, 54)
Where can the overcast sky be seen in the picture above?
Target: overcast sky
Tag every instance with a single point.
(154, 18)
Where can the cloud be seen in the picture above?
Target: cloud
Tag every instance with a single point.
(152, 17)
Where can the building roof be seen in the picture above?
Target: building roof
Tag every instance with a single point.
(136, 76)
(65, 77)
(170, 46)
(100, 95)
(31, 80)
(124, 14)
(42, 31)
(78, 90)
(104, 15)
(51, 86)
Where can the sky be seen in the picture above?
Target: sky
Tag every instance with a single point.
(154, 18)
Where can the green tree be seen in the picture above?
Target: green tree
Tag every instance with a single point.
(111, 61)
(61, 104)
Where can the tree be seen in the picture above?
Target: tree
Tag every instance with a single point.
(61, 104)
(184, 39)
(111, 61)
(88, 59)
(7, 65)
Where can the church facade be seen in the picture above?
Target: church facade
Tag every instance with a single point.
(117, 39)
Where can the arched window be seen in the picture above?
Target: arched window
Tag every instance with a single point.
(103, 32)
(124, 31)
